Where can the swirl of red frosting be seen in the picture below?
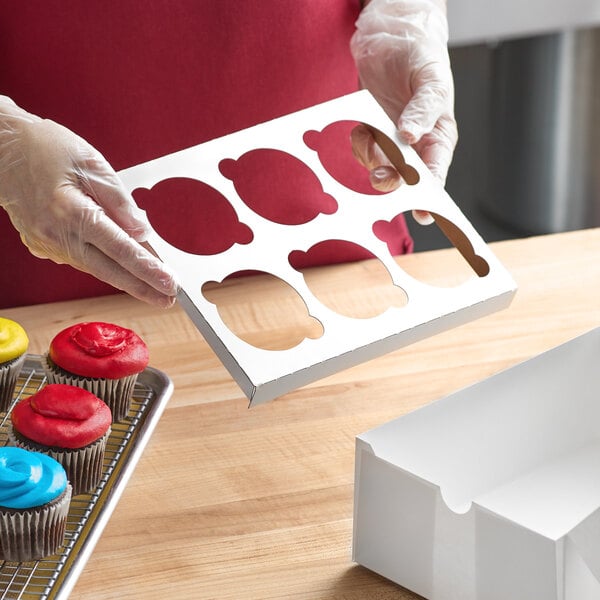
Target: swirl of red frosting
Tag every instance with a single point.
(62, 416)
(99, 350)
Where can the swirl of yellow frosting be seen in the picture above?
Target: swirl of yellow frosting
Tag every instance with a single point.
(13, 340)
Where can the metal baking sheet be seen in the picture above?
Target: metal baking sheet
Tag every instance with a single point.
(54, 577)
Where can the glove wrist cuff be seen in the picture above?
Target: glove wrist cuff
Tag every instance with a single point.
(9, 111)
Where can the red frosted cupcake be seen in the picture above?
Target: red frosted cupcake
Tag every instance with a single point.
(102, 358)
(69, 424)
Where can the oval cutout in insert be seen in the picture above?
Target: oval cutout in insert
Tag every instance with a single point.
(374, 291)
(451, 267)
(333, 145)
(236, 296)
(192, 216)
(278, 186)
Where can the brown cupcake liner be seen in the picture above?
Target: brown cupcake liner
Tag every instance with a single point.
(84, 466)
(9, 373)
(116, 393)
(34, 533)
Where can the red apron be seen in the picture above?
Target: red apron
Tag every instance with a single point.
(142, 79)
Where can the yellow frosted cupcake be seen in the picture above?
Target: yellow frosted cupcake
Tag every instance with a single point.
(13, 351)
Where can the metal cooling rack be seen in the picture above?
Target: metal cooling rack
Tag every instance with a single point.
(53, 577)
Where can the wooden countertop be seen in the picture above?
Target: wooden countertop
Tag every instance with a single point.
(232, 503)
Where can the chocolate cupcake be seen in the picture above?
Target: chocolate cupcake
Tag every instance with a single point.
(69, 424)
(103, 358)
(13, 351)
(34, 504)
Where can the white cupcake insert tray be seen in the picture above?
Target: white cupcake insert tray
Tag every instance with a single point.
(264, 245)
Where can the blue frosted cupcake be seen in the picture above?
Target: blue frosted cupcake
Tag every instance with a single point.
(34, 504)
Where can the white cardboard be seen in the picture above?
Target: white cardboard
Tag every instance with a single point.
(265, 374)
(492, 492)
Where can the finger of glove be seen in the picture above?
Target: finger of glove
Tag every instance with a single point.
(96, 229)
(432, 98)
(101, 266)
(382, 174)
(112, 241)
(101, 182)
(365, 149)
(422, 217)
(436, 149)
(385, 179)
(89, 259)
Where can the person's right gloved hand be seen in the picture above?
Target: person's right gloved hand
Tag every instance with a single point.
(401, 52)
(69, 205)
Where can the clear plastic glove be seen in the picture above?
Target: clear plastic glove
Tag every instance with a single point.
(69, 205)
(401, 52)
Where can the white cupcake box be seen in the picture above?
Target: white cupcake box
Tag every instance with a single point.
(493, 492)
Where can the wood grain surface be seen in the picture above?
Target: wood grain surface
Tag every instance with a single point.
(232, 503)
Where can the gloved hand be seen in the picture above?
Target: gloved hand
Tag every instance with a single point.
(70, 206)
(401, 52)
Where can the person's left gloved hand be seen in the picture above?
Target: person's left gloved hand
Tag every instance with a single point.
(69, 205)
(401, 51)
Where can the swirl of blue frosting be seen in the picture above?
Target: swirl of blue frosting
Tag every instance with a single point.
(29, 479)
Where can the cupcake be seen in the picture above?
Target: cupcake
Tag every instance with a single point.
(69, 424)
(34, 503)
(100, 357)
(13, 348)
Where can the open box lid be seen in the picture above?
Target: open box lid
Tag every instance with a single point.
(265, 374)
(522, 445)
